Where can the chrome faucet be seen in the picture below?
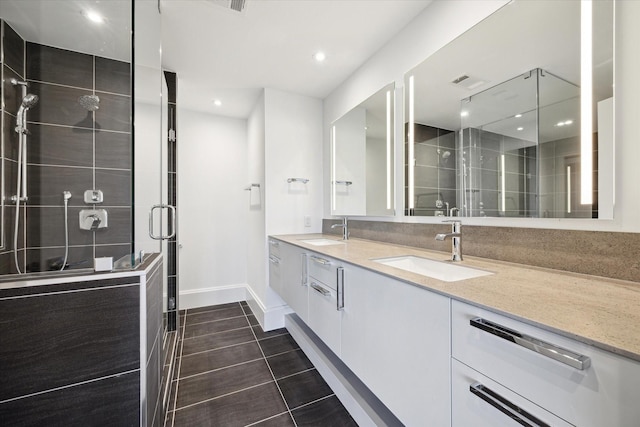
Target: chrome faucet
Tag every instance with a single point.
(345, 228)
(456, 239)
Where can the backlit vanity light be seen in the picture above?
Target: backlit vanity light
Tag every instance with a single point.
(586, 101)
(411, 142)
(389, 147)
(333, 168)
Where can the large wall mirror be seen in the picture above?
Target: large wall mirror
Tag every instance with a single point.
(515, 117)
(362, 158)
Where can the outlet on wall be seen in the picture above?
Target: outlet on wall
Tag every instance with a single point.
(307, 221)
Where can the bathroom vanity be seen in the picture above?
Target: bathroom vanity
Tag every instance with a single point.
(515, 345)
(83, 348)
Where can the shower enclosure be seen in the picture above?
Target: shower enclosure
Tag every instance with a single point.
(520, 145)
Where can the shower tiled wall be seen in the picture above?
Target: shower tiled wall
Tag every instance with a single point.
(70, 149)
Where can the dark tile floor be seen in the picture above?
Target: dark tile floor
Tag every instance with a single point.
(232, 373)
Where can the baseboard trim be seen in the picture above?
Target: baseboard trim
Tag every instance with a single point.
(365, 408)
(269, 319)
(212, 296)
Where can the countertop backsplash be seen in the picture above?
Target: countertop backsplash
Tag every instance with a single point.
(589, 252)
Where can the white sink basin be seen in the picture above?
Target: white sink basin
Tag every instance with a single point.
(322, 242)
(441, 270)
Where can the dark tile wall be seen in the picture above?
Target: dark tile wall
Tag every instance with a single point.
(70, 148)
(71, 353)
(172, 255)
(155, 410)
(435, 170)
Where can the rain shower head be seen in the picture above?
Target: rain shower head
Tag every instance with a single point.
(89, 102)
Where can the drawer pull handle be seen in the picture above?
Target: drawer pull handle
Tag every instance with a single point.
(274, 260)
(320, 289)
(552, 351)
(340, 288)
(514, 412)
(303, 278)
(320, 260)
(274, 243)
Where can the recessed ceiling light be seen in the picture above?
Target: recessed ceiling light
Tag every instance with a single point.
(93, 16)
(464, 113)
(520, 128)
(517, 116)
(319, 56)
(217, 102)
(568, 122)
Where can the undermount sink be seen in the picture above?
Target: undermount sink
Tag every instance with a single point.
(323, 242)
(441, 270)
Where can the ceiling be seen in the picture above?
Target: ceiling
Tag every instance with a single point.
(222, 54)
(219, 53)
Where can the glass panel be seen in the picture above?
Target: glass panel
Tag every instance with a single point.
(66, 134)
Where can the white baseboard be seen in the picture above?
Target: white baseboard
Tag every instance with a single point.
(269, 319)
(211, 296)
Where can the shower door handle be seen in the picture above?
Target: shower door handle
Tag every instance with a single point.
(172, 232)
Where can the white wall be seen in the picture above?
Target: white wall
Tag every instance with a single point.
(212, 208)
(440, 23)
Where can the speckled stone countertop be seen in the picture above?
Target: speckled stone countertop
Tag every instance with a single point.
(595, 310)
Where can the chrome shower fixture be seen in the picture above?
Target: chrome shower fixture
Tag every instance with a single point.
(89, 102)
(28, 102)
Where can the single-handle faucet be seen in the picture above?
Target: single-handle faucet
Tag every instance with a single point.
(456, 239)
(345, 228)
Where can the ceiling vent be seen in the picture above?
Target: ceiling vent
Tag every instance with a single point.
(468, 82)
(235, 5)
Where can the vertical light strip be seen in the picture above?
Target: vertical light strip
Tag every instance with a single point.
(333, 168)
(389, 149)
(586, 101)
(503, 183)
(568, 189)
(411, 142)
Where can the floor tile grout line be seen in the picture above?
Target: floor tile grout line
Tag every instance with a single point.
(273, 336)
(284, 352)
(175, 401)
(266, 419)
(220, 369)
(273, 376)
(217, 320)
(314, 401)
(298, 373)
(215, 309)
(221, 396)
(218, 348)
(215, 333)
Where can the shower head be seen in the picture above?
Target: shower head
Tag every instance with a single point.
(29, 101)
(89, 102)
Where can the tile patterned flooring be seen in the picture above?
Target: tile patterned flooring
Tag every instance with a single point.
(229, 372)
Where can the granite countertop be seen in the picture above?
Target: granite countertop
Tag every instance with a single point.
(596, 310)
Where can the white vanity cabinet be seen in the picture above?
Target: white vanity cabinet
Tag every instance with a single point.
(294, 282)
(579, 383)
(275, 266)
(326, 284)
(396, 339)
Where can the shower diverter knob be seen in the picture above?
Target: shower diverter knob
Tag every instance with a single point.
(93, 196)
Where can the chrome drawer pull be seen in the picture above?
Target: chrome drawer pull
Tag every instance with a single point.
(568, 357)
(303, 278)
(274, 243)
(320, 289)
(340, 288)
(514, 412)
(274, 260)
(320, 260)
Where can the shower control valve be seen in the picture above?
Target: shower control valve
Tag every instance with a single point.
(93, 196)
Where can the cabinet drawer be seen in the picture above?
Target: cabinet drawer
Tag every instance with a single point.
(274, 247)
(480, 402)
(323, 269)
(601, 393)
(323, 317)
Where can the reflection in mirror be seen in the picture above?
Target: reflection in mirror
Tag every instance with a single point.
(494, 118)
(362, 158)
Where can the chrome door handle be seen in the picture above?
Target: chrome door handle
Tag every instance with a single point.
(320, 260)
(568, 357)
(274, 260)
(508, 408)
(320, 289)
(173, 222)
(340, 288)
